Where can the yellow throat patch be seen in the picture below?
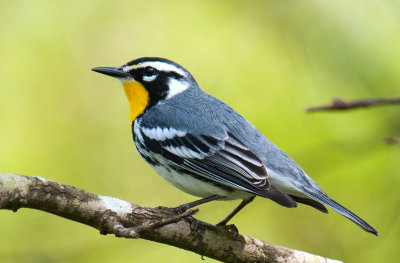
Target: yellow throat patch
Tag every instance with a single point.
(138, 97)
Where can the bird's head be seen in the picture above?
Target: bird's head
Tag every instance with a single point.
(149, 80)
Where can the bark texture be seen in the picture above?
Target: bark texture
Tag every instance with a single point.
(114, 216)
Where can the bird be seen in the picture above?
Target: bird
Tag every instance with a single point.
(203, 147)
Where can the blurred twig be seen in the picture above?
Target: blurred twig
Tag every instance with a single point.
(114, 216)
(339, 104)
(393, 140)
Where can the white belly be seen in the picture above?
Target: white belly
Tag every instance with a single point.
(196, 187)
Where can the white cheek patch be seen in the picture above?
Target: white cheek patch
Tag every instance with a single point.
(176, 87)
(150, 78)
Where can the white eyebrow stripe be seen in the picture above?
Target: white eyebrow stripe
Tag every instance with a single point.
(161, 66)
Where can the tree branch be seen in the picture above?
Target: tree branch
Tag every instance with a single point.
(114, 216)
(339, 104)
(393, 140)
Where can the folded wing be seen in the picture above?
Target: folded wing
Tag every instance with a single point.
(225, 160)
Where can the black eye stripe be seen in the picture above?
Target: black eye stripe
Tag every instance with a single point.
(175, 75)
(151, 71)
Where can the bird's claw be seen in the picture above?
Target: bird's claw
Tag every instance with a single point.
(231, 228)
(194, 224)
(177, 210)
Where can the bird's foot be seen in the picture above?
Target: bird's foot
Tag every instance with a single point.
(176, 210)
(194, 224)
(231, 228)
(112, 224)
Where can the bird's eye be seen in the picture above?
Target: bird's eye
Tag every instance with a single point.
(149, 71)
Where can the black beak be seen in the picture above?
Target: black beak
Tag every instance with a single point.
(113, 72)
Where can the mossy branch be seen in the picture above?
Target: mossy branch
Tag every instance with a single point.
(123, 219)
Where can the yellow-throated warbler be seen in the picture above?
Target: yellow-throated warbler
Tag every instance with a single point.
(203, 147)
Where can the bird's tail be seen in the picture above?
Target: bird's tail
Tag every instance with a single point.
(326, 200)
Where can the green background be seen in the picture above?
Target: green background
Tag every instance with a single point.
(269, 60)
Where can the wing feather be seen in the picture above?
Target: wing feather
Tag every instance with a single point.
(224, 159)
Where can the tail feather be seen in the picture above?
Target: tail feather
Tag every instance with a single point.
(326, 200)
(310, 202)
(279, 197)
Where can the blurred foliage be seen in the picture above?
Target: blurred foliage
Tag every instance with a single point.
(267, 59)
